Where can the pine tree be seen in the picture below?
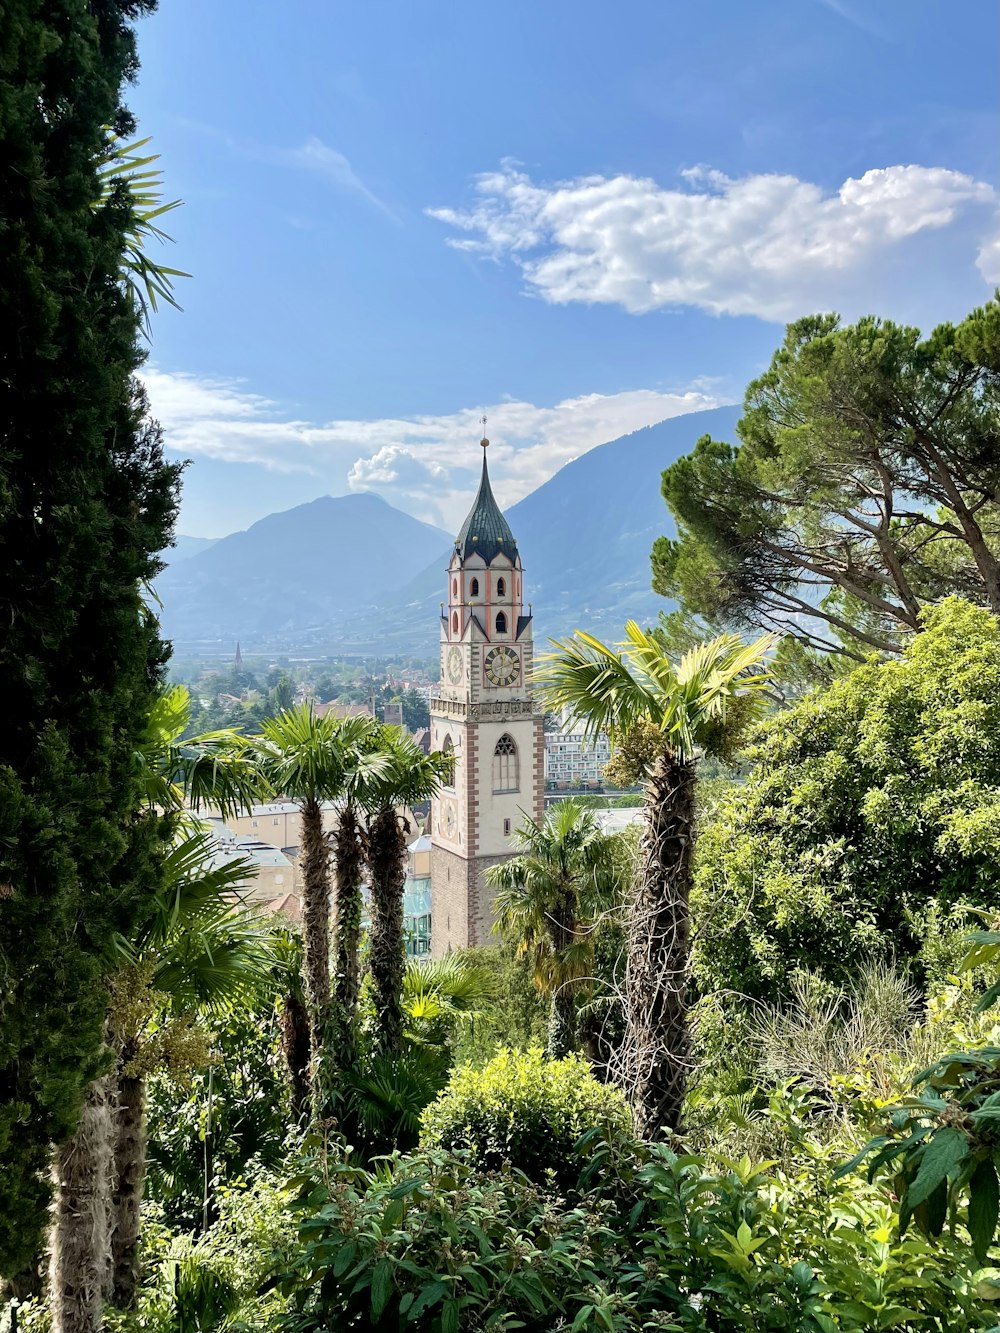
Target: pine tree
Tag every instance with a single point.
(86, 500)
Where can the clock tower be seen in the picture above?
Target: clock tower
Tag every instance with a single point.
(484, 715)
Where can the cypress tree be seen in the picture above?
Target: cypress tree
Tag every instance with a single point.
(86, 501)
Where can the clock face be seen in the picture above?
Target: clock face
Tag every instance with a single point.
(449, 820)
(502, 666)
(455, 666)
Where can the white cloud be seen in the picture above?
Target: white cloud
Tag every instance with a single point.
(427, 465)
(988, 259)
(766, 245)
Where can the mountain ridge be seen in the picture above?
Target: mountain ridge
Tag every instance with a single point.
(585, 537)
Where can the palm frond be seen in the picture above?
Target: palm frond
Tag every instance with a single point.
(206, 948)
(594, 683)
(124, 170)
(408, 775)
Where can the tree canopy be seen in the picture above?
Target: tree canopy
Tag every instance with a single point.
(86, 501)
(870, 807)
(865, 487)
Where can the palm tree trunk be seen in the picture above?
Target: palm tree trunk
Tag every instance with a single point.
(657, 1045)
(315, 854)
(562, 1013)
(129, 1177)
(80, 1272)
(562, 1023)
(348, 860)
(387, 860)
(295, 1048)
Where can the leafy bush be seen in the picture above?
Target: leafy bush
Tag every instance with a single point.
(432, 1244)
(525, 1109)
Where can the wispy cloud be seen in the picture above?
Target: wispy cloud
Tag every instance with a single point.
(427, 465)
(766, 245)
(314, 155)
(850, 15)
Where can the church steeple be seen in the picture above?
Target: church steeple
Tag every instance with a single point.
(485, 532)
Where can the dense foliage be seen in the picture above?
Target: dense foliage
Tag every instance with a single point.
(432, 1244)
(872, 809)
(865, 488)
(86, 501)
(524, 1110)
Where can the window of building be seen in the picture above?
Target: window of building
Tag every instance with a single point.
(448, 748)
(474, 588)
(275, 821)
(454, 587)
(505, 776)
(253, 823)
(501, 587)
(454, 622)
(501, 623)
(506, 828)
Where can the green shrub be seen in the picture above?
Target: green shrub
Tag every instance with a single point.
(432, 1244)
(525, 1109)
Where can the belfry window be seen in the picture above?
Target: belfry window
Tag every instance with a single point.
(501, 623)
(505, 775)
(448, 750)
(501, 588)
(474, 588)
(454, 622)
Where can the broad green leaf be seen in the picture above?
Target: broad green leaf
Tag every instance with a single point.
(984, 1203)
(941, 1155)
(381, 1286)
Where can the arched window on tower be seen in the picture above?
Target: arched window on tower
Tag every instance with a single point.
(505, 776)
(454, 622)
(454, 587)
(501, 588)
(501, 623)
(474, 588)
(448, 750)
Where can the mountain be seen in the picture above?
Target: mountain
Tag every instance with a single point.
(185, 547)
(292, 575)
(585, 536)
(337, 575)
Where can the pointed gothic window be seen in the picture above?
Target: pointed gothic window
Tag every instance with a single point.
(501, 623)
(448, 749)
(501, 588)
(474, 588)
(454, 622)
(505, 775)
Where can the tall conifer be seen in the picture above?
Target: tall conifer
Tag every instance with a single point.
(86, 500)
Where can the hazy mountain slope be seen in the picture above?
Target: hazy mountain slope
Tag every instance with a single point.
(585, 535)
(185, 547)
(295, 573)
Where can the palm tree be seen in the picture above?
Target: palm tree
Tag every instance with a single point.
(311, 760)
(195, 956)
(350, 845)
(100, 1170)
(388, 1094)
(659, 715)
(548, 898)
(407, 776)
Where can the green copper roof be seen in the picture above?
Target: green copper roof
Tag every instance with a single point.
(486, 532)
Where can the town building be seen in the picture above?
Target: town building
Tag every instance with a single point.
(573, 760)
(484, 715)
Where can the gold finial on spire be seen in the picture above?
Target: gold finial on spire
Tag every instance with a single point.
(484, 441)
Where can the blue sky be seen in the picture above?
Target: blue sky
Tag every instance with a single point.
(577, 217)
